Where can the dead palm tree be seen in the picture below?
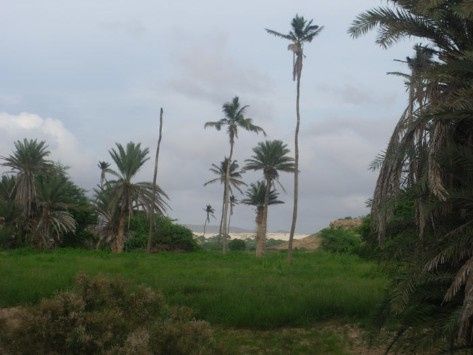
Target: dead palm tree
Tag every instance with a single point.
(209, 212)
(302, 31)
(235, 182)
(234, 119)
(104, 169)
(270, 157)
(256, 196)
(126, 195)
(28, 161)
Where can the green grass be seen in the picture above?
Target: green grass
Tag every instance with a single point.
(234, 290)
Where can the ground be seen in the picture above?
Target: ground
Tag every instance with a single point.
(255, 305)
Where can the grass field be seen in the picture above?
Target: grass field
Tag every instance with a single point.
(233, 290)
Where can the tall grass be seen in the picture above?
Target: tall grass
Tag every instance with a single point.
(233, 290)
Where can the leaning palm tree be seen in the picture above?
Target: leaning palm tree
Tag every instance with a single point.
(53, 218)
(28, 161)
(256, 196)
(126, 195)
(235, 175)
(104, 169)
(270, 157)
(234, 119)
(302, 31)
(209, 212)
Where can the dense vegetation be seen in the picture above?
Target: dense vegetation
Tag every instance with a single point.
(422, 204)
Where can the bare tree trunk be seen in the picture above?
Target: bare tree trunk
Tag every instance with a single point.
(152, 220)
(296, 170)
(205, 226)
(259, 230)
(120, 239)
(226, 203)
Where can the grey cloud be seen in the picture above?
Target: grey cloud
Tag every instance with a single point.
(208, 71)
(356, 95)
(133, 28)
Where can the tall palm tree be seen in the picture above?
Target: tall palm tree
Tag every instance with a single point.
(234, 173)
(234, 119)
(302, 32)
(53, 218)
(127, 195)
(28, 161)
(104, 169)
(256, 196)
(271, 157)
(209, 212)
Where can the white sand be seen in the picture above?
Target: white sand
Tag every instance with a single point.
(279, 236)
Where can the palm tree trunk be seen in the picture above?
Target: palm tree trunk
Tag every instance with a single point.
(296, 170)
(229, 219)
(152, 220)
(120, 239)
(226, 199)
(264, 228)
(205, 226)
(220, 234)
(259, 230)
(102, 178)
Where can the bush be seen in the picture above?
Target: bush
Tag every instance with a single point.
(106, 316)
(168, 235)
(340, 240)
(237, 245)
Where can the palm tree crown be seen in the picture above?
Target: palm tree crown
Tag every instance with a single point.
(271, 157)
(256, 193)
(28, 161)
(104, 168)
(234, 118)
(235, 175)
(209, 211)
(301, 31)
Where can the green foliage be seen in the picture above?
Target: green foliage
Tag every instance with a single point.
(235, 289)
(340, 240)
(167, 235)
(237, 245)
(103, 315)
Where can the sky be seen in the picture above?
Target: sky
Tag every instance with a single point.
(83, 75)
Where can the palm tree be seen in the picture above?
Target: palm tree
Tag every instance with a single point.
(104, 169)
(234, 182)
(302, 31)
(437, 174)
(270, 157)
(127, 195)
(53, 218)
(28, 161)
(209, 212)
(234, 119)
(256, 196)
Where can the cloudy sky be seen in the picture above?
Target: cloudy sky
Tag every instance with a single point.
(86, 74)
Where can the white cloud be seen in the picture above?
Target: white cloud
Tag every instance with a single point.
(62, 143)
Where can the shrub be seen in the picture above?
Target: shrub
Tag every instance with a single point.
(168, 235)
(237, 244)
(340, 240)
(106, 316)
